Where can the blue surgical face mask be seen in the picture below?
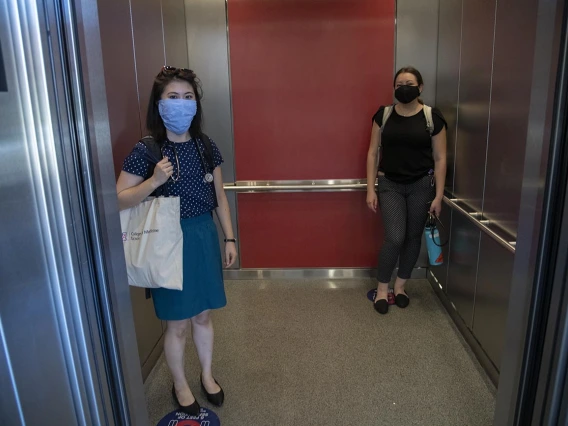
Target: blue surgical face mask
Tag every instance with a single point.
(177, 114)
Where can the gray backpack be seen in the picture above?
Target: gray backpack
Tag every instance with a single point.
(427, 112)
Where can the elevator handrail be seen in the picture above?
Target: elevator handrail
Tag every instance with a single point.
(477, 219)
(338, 185)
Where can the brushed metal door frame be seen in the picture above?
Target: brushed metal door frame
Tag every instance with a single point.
(39, 273)
(550, 395)
(86, 70)
(535, 227)
(59, 182)
(550, 403)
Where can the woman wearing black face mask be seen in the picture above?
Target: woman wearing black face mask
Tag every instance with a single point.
(409, 152)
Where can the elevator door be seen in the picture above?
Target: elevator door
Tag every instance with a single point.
(67, 350)
(307, 77)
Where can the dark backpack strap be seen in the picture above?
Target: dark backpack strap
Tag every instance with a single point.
(154, 151)
(208, 154)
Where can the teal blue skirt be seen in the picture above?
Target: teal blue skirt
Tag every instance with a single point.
(203, 286)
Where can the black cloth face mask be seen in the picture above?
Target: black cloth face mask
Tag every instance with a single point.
(406, 94)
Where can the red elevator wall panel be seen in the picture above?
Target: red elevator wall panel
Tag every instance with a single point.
(307, 77)
(307, 230)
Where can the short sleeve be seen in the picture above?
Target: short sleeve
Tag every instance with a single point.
(137, 161)
(439, 121)
(217, 157)
(378, 117)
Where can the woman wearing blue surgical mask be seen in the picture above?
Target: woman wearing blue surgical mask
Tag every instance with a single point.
(189, 169)
(408, 149)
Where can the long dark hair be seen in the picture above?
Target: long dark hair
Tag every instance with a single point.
(415, 73)
(409, 70)
(154, 122)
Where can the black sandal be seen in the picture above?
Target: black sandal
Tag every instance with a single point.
(192, 410)
(381, 306)
(401, 300)
(216, 399)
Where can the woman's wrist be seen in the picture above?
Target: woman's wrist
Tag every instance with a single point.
(153, 183)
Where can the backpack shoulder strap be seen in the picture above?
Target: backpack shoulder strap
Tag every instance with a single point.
(208, 151)
(429, 119)
(208, 154)
(154, 156)
(386, 114)
(153, 147)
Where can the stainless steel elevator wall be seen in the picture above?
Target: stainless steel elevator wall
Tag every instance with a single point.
(515, 38)
(462, 268)
(485, 60)
(120, 77)
(492, 297)
(138, 38)
(175, 37)
(416, 41)
(149, 49)
(448, 74)
(474, 101)
(208, 48)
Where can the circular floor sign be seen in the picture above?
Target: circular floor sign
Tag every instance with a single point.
(373, 293)
(177, 418)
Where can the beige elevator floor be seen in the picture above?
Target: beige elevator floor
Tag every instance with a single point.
(316, 353)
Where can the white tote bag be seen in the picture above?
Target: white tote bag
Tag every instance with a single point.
(153, 243)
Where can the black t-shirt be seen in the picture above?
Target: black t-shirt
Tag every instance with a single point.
(406, 145)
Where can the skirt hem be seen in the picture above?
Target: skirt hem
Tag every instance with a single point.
(189, 317)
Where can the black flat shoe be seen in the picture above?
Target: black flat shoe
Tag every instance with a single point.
(381, 306)
(401, 300)
(216, 399)
(192, 410)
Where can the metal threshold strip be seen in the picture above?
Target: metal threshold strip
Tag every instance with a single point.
(484, 225)
(310, 273)
(323, 185)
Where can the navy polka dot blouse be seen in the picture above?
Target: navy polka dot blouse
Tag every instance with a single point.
(196, 195)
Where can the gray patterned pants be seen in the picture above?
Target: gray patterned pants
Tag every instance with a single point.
(405, 210)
